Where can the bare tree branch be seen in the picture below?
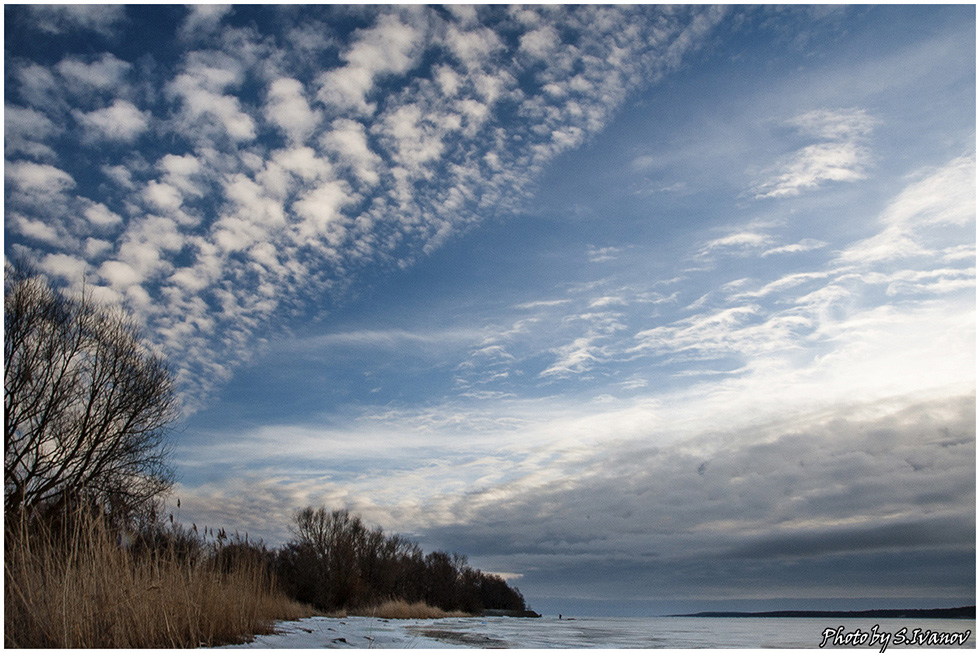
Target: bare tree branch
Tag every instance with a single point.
(87, 406)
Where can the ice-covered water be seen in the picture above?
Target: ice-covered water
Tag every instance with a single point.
(678, 632)
(599, 632)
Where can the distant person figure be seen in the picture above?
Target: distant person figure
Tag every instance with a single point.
(559, 616)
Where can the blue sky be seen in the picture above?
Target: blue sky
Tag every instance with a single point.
(667, 306)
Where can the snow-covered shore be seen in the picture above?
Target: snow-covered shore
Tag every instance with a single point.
(366, 632)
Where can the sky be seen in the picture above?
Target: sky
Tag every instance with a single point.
(645, 308)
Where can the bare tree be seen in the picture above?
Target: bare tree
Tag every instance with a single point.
(87, 405)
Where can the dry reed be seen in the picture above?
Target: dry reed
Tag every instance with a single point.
(400, 609)
(81, 589)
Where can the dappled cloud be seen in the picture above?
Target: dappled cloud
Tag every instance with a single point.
(264, 173)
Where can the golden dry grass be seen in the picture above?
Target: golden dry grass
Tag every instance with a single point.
(400, 609)
(91, 593)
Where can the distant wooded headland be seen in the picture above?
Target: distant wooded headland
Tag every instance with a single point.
(965, 612)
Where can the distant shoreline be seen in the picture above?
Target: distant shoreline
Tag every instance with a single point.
(965, 612)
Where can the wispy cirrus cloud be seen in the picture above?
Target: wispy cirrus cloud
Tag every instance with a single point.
(839, 155)
(805, 245)
(748, 323)
(916, 223)
(743, 243)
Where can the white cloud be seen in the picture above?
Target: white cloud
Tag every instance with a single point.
(252, 203)
(252, 216)
(302, 162)
(25, 131)
(142, 254)
(783, 284)
(68, 267)
(743, 241)
(805, 245)
(348, 139)
(320, 210)
(600, 254)
(190, 279)
(95, 247)
(119, 274)
(891, 243)
(60, 19)
(599, 302)
(120, 175)
(643, 162)
(947, 196)
(814, 165)
(162, 197)
(573, 358)
(121, 121)
(835, 125)
(923, 215)
(385, 339)
(842, 156)
(824, 308)
(310, 38)
(930, 282)
(42, 193)
(541, 42)
(546, 303)
(101, 216)
(732, 330)
(203, 20)
(448, 80)
(183, 177)
(38, 177)
(107, 73)
(38, 87)
(201, 90)
(389, 47)
(414, 139)
(288, 109)
(473, 46)
(34, 229)
(180, 166)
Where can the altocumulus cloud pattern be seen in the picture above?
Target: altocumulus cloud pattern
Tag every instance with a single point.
(221, 172)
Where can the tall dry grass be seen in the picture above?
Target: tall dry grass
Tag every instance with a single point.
(399, 609)
(79, 588)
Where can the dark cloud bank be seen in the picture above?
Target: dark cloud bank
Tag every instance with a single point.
(880, 509)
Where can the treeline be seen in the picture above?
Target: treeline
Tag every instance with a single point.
(337, 563)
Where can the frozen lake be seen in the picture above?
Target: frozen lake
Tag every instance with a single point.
(600, 632)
